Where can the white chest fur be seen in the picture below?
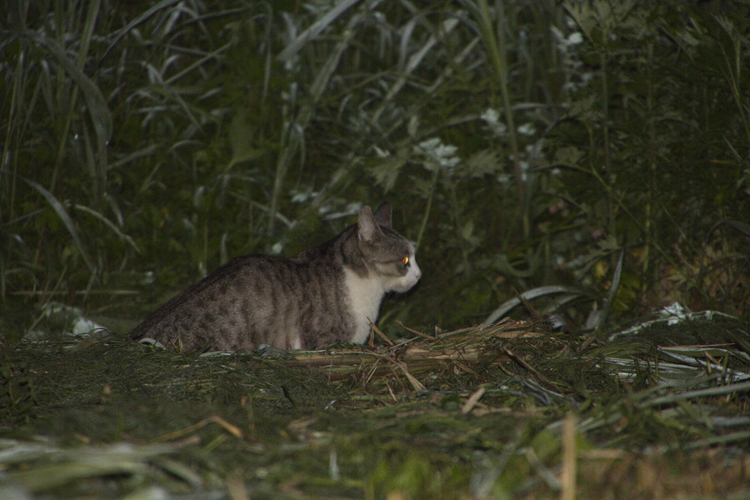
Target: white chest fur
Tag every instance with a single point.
(365, 295)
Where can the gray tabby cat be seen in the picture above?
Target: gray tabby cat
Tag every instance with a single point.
(319, 297)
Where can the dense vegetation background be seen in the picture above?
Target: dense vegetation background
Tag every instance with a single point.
(592, 155)
(598, 145)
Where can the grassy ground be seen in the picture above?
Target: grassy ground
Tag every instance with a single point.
(512, 411)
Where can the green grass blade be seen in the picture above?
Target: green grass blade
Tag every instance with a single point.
(311, 32)
(101, 117)
(541, 291)
(612, 292)
(64, 217)
(124, 237)
(137, 21)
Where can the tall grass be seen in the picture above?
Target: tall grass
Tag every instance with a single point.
(522, 144)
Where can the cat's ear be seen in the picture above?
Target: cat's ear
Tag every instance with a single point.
(368, 227)
(383, 214)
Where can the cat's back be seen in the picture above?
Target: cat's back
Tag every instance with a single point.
(254, 300)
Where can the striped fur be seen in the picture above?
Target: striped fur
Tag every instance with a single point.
(319, 297)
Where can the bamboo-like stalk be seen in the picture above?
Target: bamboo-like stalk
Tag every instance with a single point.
(495, 43)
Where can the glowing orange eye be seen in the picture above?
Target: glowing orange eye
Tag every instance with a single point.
(405, 260)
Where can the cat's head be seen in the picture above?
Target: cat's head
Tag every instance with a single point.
(387, 254)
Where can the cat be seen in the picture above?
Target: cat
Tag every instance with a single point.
(322, 296)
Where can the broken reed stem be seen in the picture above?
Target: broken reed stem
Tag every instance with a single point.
(473, 400)
(381, 334)
(415, 332)
(232, 429)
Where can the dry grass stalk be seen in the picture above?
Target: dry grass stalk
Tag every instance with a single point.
(570, 457)
(232, 429)
(423, 353)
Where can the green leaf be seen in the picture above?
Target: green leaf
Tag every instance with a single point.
(240, 138)
(481, 163)
(387, 171)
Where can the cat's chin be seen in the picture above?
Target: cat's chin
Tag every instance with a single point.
(402, 289)
(404, 285)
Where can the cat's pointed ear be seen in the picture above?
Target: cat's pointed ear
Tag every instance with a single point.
(368, 226)
(383, 214)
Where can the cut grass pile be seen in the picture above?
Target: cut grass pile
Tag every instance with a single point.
(503, 411)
